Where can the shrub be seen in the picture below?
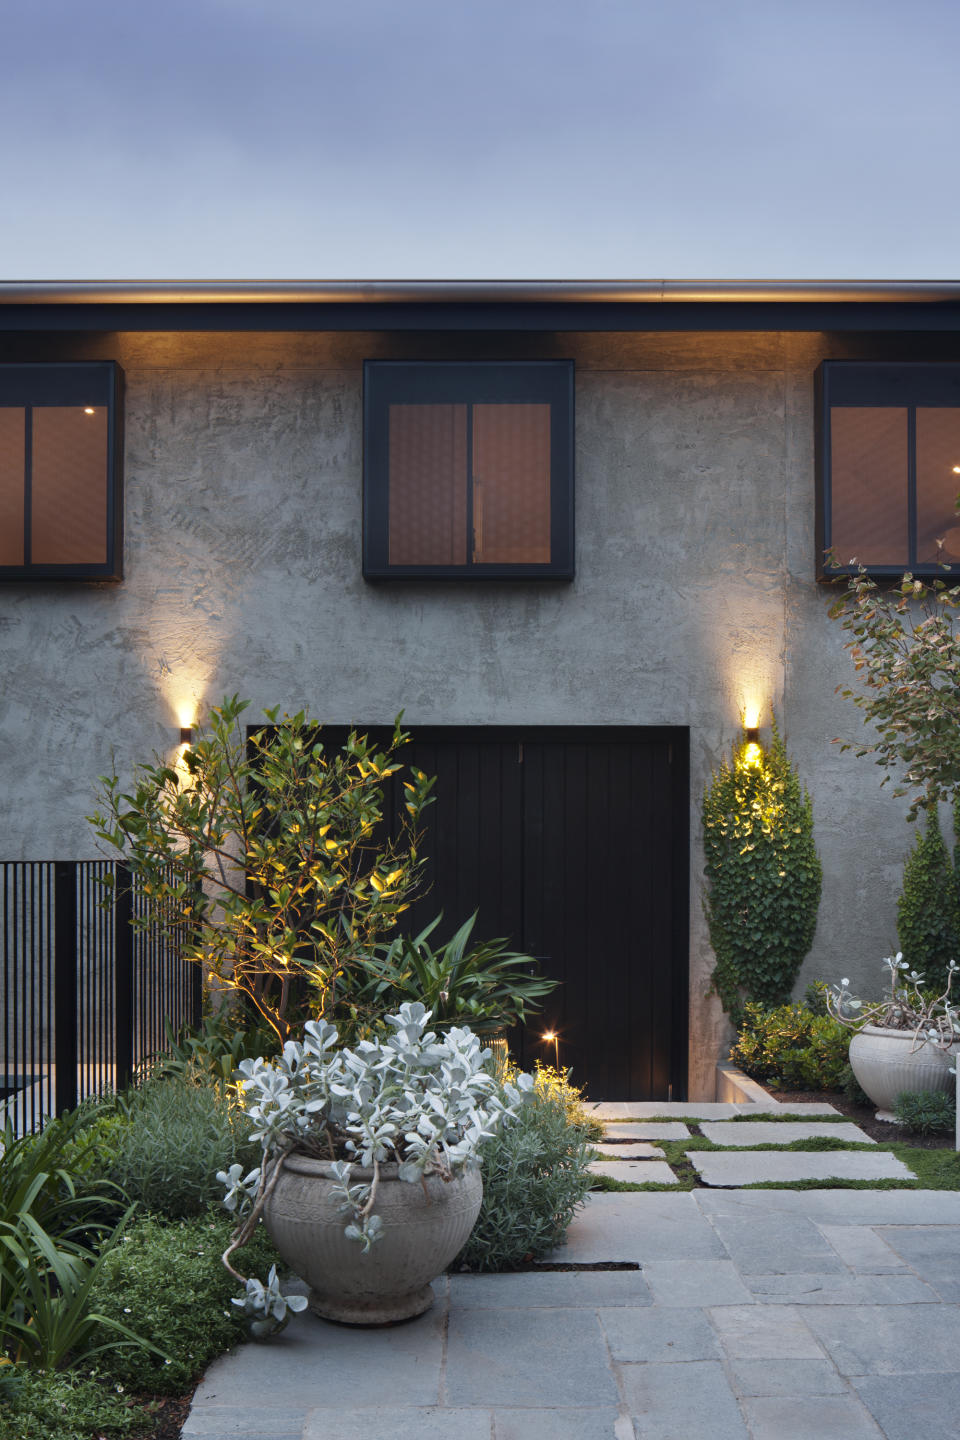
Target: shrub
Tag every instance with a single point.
(905, 647)
(792, 1047)
(926, 1112)
(167, 1282)
(273, 851)
(535, 1177)
(52, 1247)
(57, 1405)
(928, 911)
(213, 1049)
(763, 875)
(178, 1131)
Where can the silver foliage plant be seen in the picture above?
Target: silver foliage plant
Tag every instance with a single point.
(411, 1097)
(930, 1016)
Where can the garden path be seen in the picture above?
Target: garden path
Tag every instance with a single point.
(628, 1152)
(713, 1314)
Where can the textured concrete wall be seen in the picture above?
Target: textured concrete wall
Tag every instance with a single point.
(694, 598)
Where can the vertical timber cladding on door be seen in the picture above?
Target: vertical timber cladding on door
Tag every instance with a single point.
(571, 842)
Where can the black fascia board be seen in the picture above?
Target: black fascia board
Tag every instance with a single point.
(266, 316)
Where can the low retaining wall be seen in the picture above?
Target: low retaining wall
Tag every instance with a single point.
(735, 1088)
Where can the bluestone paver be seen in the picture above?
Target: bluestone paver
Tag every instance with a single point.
(585, 1423)
(933, 1251)
(835, 1207)
(399, 1423)
(753, 1167)
(889, 1339)
(550, 1290)
(537, 1358)
(682, 1402)
(247, 1422)
(821, 1417)
(863, 1249)
(773, 1243)
(903, 1288)
(663, 1336)
(635, 1172)
(753, 1333)
(403, 1363)
(640, 1226)
(786, 1377)
(913, 1407)
(781, 1132)
(702, 1283)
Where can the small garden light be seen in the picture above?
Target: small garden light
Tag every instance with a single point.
(550, 1037)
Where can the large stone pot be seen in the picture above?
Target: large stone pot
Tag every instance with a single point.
(423, 1229)
(887, 1062)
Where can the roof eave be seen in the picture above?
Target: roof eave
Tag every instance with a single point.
(118, 292)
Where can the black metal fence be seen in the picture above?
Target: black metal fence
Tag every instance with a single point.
(86, 994)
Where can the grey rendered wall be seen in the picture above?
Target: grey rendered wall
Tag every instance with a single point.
(694, 598)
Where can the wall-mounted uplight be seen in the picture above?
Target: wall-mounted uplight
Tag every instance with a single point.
(752, 754)
(186, 735)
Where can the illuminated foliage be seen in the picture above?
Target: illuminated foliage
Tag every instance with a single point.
(763, 875)
(270, 851)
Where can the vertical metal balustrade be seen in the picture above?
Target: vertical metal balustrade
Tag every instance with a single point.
(86, 994)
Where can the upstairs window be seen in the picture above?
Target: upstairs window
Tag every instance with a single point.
(888, 456)
(468, 470)
(60, 490)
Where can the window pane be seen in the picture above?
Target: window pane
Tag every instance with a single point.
(12, 447)
(511, 484)
(69, 485)
(938, 451)
(868, 485)
(428, 485)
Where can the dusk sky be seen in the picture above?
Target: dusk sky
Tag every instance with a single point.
(305, 139)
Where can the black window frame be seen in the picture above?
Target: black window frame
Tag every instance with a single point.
(881, 384)
(467, 382)
(63, 383)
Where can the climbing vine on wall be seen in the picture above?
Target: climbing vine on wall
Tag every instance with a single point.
(763, 874)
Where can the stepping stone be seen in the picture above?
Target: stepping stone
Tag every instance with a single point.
(635, 1172)
(651, 1130)
(631, 1150)
(716, 1168)
(780, 1132)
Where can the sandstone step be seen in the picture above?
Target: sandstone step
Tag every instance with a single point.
(635, 1172)
(780, 1132)
(784, 1167)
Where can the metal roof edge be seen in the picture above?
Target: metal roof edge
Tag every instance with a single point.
(154, 292)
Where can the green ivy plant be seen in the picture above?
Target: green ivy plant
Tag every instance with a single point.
(270, 850)
(928, 911)
(763, 874)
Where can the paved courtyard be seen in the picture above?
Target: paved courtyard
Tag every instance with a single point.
(752, 1315)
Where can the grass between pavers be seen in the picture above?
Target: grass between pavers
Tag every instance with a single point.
(934, 1169)
(762, 1115)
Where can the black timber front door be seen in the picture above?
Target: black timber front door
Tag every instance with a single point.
(573, 844)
